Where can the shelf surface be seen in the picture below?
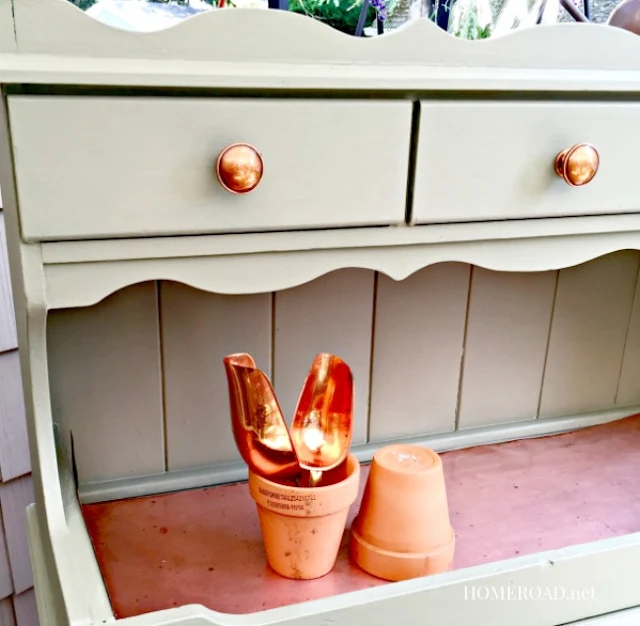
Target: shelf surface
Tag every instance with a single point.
(204, 546)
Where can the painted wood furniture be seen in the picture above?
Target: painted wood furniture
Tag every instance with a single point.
(400, 174)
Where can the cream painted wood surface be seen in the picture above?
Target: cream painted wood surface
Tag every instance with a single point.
(8, 337)
(146, 166)
(7, 34)
(15, 496)
(14, 445)
(506, 345)
(588, 334)
(331, 314)
(508, 166)
(628, 391)
(104, 367)
(418, 348)
(431, 353)
(198, 330)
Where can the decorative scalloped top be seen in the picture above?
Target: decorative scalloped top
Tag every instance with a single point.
(267, 36)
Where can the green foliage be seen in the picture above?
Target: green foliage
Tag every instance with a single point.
(340, 14)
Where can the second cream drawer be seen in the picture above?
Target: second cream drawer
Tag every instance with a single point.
(488, 160)
(95, 167)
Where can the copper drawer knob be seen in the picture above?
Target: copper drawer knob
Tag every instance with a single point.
(578, 165)
(239, 168)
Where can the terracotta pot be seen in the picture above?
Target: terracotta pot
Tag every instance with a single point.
(626, 15)
(302, 527)
(403, 530)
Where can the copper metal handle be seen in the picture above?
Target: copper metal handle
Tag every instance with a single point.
(578, 165)
(239, 168)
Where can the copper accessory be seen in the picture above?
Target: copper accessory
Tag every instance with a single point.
(578, 165)
(239, 168)
(323, 422)
(258, 426)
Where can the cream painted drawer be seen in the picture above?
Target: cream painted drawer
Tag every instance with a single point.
(92, 167)
(495, 160)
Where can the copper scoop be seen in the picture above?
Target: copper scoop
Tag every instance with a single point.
(323, 422)
(259, 429)
(322, 425)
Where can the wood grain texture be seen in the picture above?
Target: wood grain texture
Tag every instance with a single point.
(26, 610)
(331, 314)
(7, 615)
(506, 344)
(104, 370)
(418, 346)
(629, 382)
(15, 496)
(14, 444)
(164, 183)
(198, 330)
(588, 333)
(8, 336)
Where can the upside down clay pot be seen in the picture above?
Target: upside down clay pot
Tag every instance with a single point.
(302, 527)
(403, 530)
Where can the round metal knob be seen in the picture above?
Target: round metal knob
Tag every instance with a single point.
(578, 165)
(239, 168)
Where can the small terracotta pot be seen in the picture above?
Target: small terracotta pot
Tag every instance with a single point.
(403, 530)
(302, 527)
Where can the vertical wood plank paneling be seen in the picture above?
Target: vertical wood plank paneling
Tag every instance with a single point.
(26, 611)
(629, 383)
(507, 333)
(8, 337)
(7, 615)
(14, 444)
(588, 332)
(418, 346)
(14, 499)
(198, 330)
(330, 314)
(104, 367)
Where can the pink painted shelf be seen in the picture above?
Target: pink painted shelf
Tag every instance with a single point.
(203, 546)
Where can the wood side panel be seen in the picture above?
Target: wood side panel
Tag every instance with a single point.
(418, 346)
(104, 369)
(14, 444)
(8, 337)
(588, 333)
(629, 384)
(507, 333)
(330, 314)
(198, 330)
(15, 496)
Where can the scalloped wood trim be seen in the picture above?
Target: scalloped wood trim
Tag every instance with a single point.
(84, 284)
(264, 36)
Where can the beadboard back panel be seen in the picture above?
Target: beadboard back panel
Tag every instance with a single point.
(138, 378)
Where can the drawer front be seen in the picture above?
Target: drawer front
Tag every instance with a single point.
(496, 160)
(92, 167)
